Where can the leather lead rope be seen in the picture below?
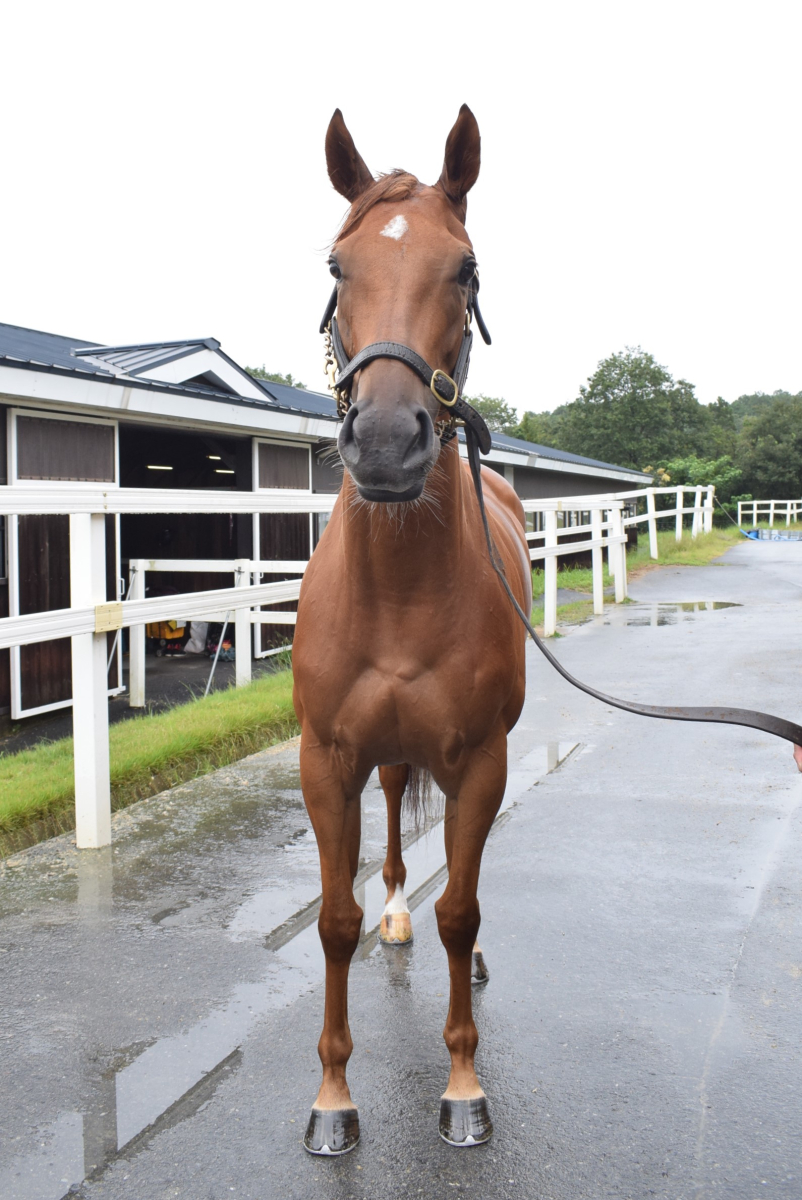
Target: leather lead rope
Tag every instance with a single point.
(727, 716)
(448, 391)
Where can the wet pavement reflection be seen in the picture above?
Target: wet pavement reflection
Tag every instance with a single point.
(672, 612)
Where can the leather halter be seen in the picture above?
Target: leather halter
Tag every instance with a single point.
(445, 388)
(448, 391)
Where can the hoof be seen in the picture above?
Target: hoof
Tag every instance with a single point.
(396, 929)
(332, 1131)
(465, 1122)
(479, 971)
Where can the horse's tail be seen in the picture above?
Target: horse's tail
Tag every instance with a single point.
(418, 794)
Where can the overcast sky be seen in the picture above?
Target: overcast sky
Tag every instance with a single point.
(164, 175)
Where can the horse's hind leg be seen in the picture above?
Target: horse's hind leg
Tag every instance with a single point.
(334, 807)
(396, 924)
(464, 1116)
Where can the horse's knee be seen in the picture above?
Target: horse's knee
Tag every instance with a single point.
(461, 1039)
(335, 1046)
(339, 926)
(458, 922)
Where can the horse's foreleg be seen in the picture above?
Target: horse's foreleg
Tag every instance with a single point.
(335, 812)
(396, 924)
(464, 1116)
(479, 971)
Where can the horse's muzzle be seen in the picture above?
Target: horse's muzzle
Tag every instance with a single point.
(388, 449)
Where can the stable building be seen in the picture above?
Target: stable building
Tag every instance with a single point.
(183, 415)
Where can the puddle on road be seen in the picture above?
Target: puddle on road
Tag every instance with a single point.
(169, 1080)
(672, 612)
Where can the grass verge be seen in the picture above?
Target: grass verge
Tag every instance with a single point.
(690, 552)
(578, 579)
(148, 754)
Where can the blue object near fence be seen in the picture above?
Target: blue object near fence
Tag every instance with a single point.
(771, 535)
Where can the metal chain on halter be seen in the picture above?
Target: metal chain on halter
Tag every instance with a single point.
(341, 397)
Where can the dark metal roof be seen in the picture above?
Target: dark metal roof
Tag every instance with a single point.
(501, 441)
(35, 350)
(45, 349)
(317, 402)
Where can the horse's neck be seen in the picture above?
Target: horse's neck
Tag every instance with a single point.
(400, 546)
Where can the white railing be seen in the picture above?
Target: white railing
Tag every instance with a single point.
(247, 573)
(607, 530)
(91, 616)
(767, 510)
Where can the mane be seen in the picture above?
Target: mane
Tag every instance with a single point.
(397, 185)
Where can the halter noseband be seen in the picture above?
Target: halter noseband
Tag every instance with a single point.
(446, 389)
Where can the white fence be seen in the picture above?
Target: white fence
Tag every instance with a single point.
(767, 510)
(602, 517)
(91, 616)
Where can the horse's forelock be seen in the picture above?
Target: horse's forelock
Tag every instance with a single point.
(397, 185)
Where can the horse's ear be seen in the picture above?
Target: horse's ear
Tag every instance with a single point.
(461, 165)
(347, 169)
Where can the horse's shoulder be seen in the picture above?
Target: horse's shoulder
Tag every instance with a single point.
(498, 489)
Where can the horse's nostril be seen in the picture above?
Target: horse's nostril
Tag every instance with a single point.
(420, 448)
(347, 441)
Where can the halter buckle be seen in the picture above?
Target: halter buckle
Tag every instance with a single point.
(437, 396)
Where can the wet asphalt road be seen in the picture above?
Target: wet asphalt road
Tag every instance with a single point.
(641, 901)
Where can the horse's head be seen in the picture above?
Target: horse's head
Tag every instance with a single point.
(404, 267)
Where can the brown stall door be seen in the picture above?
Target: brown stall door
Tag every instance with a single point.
(44, 584)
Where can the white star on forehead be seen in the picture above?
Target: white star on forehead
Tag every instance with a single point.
(396, 228)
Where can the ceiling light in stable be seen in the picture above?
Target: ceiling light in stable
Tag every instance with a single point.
(153, 467)
(213, 457)
(222, 471)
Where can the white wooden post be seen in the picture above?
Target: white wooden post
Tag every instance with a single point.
(680, 502)
(707, 509)
(90, 704)
(697, 512)
(787, 513)
(550, 577)
(612, 556)
(771, 514)
(242, 629)
(740, 518)
(597, 561)
(136, 643)
(619, 556)
(650, 508)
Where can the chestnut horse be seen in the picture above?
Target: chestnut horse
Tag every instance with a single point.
(408, 655)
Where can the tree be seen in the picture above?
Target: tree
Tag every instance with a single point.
(692, 471)
(722, 434)
(633, 412)
(754, 403)
(542, 428)
(275, 377)
(500, 417)
(770, 450)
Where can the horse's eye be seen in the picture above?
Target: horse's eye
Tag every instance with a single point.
(335, 270)
(467, 272)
